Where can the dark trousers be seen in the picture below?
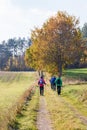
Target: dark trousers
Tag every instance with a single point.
(42, 90)
(59, 90)
(53, 86)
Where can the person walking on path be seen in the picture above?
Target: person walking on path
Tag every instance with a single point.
(58, 83)
(41, 84)
(52, 82)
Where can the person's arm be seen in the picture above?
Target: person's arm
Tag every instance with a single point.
(61, 82)
(55, 81)
(44, 81)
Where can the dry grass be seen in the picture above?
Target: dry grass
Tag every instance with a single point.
(14, 87)
(62, 117)
(26, 119)
(77, 96)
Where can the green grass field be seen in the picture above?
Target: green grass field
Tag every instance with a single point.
(26, 120)
(76, 73)
(12, 87)
(14, 84)
(63, 115)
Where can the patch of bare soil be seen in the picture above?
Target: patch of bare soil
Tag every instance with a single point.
(43, 120)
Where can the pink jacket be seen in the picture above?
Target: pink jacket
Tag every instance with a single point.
(41, 82)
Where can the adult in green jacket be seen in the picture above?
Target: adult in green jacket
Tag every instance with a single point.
(58, 83)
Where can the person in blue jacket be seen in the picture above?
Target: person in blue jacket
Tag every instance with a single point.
(52, 82)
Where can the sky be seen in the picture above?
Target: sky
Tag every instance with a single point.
(19, 17)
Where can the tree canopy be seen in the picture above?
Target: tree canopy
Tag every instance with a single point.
(56, 44)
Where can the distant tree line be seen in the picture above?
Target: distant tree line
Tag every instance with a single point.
(12, 53)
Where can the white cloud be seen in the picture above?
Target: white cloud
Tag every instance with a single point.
(15, 21)
(41, 12)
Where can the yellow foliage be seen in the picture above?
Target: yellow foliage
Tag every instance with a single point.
(57, 43)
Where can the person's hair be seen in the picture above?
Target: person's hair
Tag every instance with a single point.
(59, 74)
(41, 77)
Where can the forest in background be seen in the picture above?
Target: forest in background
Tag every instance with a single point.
(12, 54)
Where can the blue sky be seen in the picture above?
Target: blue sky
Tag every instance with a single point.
(18, 17)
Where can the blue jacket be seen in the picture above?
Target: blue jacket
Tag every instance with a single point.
(52, 80)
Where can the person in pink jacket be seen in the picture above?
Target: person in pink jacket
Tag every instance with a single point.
(41, 84)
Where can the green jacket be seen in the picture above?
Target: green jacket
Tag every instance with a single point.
(60, 82)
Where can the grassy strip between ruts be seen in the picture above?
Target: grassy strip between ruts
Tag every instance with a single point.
(61, 115)
(77, 96)
(26, 119)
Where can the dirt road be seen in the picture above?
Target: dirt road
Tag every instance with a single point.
(43, 120)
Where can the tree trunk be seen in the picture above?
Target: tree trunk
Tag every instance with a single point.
(40, 73)
(60, 68)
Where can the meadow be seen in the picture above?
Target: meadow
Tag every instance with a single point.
(65, 110)
(13, 86)
(76, 73)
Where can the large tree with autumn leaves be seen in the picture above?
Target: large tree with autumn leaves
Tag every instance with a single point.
(57, 43)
